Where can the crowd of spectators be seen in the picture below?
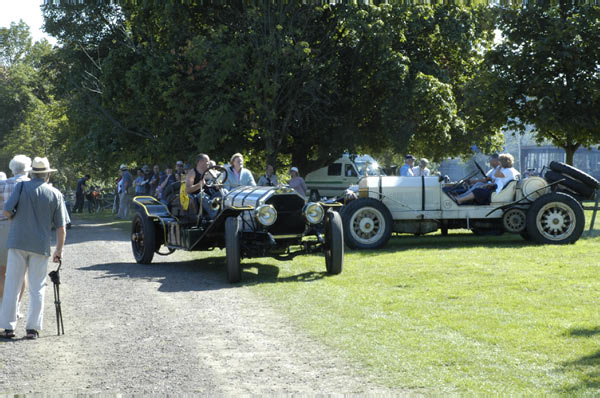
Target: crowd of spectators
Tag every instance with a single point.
(155, 181)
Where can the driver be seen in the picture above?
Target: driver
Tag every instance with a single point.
(194, 185)
(489, 176)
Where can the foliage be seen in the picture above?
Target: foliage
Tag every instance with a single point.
(545, 73)
(281, 82)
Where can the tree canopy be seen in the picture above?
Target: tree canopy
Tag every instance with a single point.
(545, 73)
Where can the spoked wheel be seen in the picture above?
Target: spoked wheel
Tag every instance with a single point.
(233, 249)
(367, 224)
(555, 218)
(143, 238)
(334, 243)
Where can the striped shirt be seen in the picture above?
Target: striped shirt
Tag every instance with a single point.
(6, 189)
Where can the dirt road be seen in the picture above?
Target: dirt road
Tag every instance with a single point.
(173, 327)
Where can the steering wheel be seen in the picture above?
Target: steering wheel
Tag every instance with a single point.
(461, 182)
(214, 175)
(479, 168)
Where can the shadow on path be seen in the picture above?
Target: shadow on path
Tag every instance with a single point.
(198, 275)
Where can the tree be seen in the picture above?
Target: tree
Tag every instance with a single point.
(545, 73)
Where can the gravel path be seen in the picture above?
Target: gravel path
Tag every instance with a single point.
(173, 327)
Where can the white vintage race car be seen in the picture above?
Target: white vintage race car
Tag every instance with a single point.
(544, 210)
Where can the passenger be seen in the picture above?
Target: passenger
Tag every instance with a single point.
(269, 179)
(489, 176)
(422, 170)
(297, 182)
(406, 170)
(237, 175)
(482, 195)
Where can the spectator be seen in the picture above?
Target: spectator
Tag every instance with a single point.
(124, 192)
(115, 208)
(237, 175)
(20, 165)
(40, 209)
(406, 170)
(179, 172)
(140, 183)
(269, 179)
(166, 179)
(80, 193)
(297, 182)
(155, 180)
(422, 170)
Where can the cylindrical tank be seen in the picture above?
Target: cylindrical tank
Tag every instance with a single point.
(532, 187)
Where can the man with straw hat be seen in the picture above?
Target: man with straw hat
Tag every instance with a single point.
(34, 208)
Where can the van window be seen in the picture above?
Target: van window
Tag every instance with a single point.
(350, 171)
(335, 169)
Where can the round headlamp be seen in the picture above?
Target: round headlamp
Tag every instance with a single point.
(314, 212)
(266, 215)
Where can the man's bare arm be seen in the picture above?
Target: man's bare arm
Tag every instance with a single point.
(61, 235)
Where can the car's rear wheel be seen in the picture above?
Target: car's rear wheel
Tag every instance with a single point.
(555, 218)
(143, 238)
(233, 249)
(367, 224)
(334, 243)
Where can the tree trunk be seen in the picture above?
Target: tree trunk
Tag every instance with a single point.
(570, 151)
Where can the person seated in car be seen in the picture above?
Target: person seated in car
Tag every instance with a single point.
(489, 176)
(503, 174)
(194, 185)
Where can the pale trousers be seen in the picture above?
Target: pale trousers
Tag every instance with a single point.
(123, 205)
(19, 261)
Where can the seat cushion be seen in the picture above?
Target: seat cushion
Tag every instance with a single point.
(507, 194)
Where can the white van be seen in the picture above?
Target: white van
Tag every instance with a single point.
(333, 180)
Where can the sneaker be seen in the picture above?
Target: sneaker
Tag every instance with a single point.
(7, 334)
(32, 334)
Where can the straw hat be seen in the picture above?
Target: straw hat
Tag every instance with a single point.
(41, 165)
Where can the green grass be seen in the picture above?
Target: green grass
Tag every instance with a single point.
(455, 313)
(450, 314)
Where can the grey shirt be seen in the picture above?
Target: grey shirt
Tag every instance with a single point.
(40, 207)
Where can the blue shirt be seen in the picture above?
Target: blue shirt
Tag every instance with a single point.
(406, 171)
(40, 207)
(245, 178)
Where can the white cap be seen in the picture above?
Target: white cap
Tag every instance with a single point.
(294, 169)
(123, 167)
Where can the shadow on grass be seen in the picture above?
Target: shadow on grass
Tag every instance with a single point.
(582, 332)
(452, 241)
(199, 275)
(587, 370)
(587, 234)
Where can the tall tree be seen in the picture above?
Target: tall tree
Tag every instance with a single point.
(545, 73)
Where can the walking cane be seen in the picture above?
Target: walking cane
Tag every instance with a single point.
(55, 277)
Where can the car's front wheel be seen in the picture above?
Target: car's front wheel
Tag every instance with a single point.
(555, 218)
(143, 238)
(233, 249)
(367, 224)
(334, 243)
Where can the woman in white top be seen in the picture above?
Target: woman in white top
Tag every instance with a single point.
(236, 173)
(422, 170)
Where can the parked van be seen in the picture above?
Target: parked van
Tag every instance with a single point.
(333, 180)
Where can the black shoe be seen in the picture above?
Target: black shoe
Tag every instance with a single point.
(7, 334)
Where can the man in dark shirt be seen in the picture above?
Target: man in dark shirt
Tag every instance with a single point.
(79, 193)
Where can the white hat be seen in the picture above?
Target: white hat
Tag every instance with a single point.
(41, 165)
(294, 169)
(123, 167)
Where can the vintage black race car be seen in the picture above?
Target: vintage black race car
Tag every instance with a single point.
(247, 221)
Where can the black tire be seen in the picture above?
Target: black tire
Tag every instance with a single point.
(143, 238)
(555, 218)
(568, 182)
(525, 235)
(233, 249)
(577, 174)
(334, 243)
(367, 224)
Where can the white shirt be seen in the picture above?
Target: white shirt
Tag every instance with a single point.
(421, 172)
(509, 175)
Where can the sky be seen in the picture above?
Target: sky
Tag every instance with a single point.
(27, 10)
